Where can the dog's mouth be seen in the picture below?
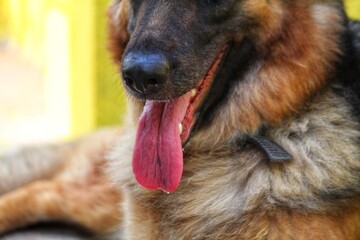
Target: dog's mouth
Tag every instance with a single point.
(163, 129)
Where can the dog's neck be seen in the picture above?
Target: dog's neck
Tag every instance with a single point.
(295, 65)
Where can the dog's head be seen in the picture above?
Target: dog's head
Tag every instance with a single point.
(258, 60)
(171, 45)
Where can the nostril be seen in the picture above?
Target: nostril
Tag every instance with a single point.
(131, 84)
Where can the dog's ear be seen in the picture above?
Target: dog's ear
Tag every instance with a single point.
(118, 35)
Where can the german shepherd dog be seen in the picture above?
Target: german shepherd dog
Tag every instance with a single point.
(248, 127)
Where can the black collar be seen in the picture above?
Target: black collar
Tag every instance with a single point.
(274, 152)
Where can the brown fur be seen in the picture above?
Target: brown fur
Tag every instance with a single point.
(296, 65)
(74, 189)
(232, 192)
(117, 25)
(235, 193)
(229, 190)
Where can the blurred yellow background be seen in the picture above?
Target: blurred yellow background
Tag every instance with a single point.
(353, 8)
(56, 78)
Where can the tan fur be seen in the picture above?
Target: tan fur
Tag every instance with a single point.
(19, 161)
(75, 190)
(229, 190)
(294, 69)
(229, 193)
(117, 34)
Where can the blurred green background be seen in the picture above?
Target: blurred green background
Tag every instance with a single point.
(56, 78)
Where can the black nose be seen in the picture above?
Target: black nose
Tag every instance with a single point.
(145, 73)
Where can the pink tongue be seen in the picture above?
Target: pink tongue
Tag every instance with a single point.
(157, 157)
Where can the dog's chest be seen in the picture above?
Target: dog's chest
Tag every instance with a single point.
(214, 192)
(234, 197)
(225, 194)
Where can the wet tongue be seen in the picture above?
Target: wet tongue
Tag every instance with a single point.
(157, 157)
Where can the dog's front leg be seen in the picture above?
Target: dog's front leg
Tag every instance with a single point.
(28, 164)
(93, 206)
(64, 182)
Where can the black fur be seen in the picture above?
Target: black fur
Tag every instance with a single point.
(348, 70)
